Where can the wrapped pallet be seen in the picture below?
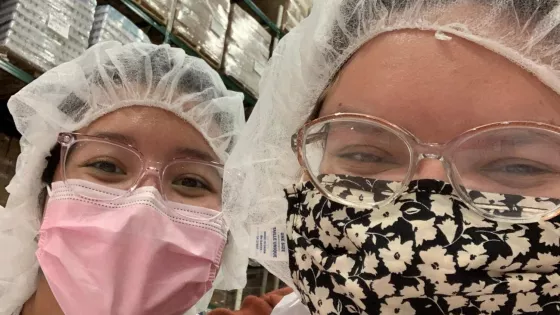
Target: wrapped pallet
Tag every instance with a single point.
(158, 8)
(296, 11)
(203, 25)
(110, 24)
(247, 49)
(45, 33)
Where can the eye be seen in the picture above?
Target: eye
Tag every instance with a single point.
(517, 168)
(362, 157)
(106, 167)
(190, 182)
(523, 169)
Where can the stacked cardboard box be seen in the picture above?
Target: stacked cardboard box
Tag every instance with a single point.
(45, 33)
(203, 24)
(270, 8)
(296, 11)
(247, 49)
(110, 24)
(158, 8)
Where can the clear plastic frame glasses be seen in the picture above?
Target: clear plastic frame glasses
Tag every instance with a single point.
(122, 167)
(507, 172)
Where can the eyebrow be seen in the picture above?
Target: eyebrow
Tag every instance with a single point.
(358, 128)
(519, 138)
(345, 109)
(186, 152)
(117, 137)
(196, 154)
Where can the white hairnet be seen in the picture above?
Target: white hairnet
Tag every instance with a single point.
(105, 78)
(307, 59)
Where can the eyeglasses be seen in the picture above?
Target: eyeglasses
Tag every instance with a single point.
(120, 166)
(508, 172)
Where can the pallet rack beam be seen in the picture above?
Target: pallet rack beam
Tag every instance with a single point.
(264, 18)
(15, 71)
(141, 13)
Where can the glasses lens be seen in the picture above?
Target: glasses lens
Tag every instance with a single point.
(362, 163)
(102, 163)
(511, 173)
(194, 183)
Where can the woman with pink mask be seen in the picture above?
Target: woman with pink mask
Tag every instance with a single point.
(409, 152)
(115, 207)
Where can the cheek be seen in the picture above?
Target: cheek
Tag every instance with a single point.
(214, 204)
(44, 196)
(327, 166)
(208, 203)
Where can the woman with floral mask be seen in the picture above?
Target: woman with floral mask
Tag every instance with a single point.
(418, 143)
(115, 207)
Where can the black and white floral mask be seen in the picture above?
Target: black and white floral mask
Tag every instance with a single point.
(426, 254)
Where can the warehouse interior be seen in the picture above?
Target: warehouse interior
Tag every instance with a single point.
(236, 37)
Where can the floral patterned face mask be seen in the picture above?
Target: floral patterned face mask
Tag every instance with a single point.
(425, 253)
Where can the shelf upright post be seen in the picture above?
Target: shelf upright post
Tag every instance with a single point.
(170, 20)
(279, 21)
(263, 17)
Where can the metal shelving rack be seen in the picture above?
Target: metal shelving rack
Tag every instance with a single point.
(250, 100)
(273, 27)
(15, 71)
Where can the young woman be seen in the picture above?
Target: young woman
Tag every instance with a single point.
(419, 145)
(115, 207)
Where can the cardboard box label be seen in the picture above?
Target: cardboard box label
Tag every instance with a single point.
(59, 25)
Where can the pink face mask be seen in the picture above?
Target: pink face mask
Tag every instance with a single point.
(136, 255)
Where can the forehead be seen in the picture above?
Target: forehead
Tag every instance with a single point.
(438, 89)
(157, 133)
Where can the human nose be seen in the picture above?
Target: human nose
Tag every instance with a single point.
(430, 168)
(151, 178)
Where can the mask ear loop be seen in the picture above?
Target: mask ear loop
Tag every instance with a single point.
(49, 190)
(42, 203)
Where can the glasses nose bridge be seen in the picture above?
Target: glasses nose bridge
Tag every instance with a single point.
(430, 151)
(151, 174)
(153, 167)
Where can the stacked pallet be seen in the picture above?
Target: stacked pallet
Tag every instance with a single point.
(110, 24)
(247, 50)
(202, 24)
(44, 34)
(296, 11)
